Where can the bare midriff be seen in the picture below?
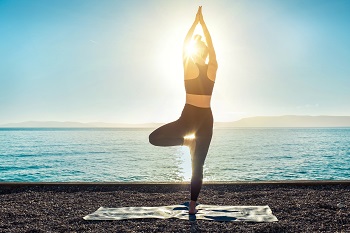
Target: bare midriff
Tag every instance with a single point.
(202, 101)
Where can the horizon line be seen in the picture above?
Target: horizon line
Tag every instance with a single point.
(284, 121)
(147, 123)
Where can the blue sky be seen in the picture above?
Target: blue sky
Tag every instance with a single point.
(120, 61)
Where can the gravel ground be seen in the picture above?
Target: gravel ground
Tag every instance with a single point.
(61, 208)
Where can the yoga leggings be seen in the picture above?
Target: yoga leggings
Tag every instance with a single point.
(193, 120)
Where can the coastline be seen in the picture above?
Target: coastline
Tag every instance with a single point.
(300, 206)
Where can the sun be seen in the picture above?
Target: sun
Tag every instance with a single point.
(191, 49)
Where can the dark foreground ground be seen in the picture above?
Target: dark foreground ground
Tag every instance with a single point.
(300, 207)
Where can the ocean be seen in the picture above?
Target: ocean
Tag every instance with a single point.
(119, 154)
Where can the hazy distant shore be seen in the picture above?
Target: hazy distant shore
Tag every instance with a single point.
(260, 121)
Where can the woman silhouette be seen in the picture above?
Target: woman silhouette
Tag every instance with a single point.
(196, 118)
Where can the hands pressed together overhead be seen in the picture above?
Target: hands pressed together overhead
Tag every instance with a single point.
(199, 15)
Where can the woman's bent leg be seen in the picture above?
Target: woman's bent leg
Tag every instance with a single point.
(171, 134)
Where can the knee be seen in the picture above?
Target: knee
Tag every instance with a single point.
(153, 138)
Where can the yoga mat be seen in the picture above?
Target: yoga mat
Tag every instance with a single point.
(205, 212)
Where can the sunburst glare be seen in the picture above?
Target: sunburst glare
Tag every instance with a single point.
(190, 136)
(191, 49)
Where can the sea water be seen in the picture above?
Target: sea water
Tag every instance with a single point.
(235, 154)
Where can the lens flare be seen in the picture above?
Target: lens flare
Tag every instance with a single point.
(190, 136)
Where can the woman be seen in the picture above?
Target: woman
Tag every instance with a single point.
(196, 118)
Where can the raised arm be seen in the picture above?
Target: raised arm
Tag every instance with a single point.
(190, 34)
(212, 55)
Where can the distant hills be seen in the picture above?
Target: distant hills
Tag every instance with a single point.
(289, 121)
(69, 124)
(259, 121)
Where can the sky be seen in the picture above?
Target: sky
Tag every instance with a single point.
(121, 61)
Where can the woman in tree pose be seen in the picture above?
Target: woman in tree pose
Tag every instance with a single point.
(196, 118)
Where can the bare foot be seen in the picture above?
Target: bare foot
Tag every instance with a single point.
(192, 209)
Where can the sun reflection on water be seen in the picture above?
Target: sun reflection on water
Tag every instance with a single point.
(184, 163)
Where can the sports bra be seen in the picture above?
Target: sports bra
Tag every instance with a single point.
(201, 85)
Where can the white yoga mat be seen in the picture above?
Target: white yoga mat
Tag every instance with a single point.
(205, 212)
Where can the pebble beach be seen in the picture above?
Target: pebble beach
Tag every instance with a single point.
(60, 207)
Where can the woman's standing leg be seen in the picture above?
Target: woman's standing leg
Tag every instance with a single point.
(198, 159)
(203, 139)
